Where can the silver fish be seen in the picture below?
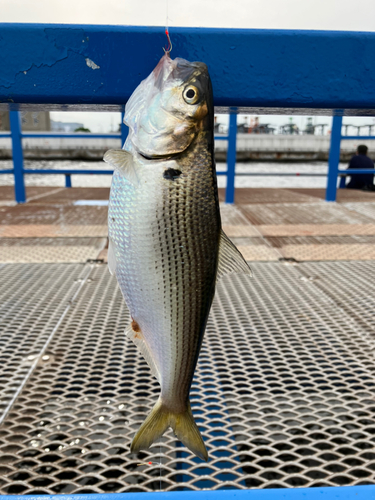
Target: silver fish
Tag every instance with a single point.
(166, 245)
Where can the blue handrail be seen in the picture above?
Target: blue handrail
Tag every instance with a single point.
(357, 137)
(19, 171)
(321, 59)
(352, 171)
(66, 171)
(365, 492)
(77, 135)
(288, 69)
(231, 159)
(318, 57)
(19, 182)
(334, 157)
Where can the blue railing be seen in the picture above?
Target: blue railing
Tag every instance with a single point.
(19, 171)
(329, 66)
(334, 157)
(318, 493)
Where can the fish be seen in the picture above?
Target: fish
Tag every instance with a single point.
(166, 247)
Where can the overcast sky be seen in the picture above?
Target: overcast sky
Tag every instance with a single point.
(353, 15)
(349, 15)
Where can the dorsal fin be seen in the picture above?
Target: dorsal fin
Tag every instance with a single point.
(123, 161)
(133, 332)
(230, 259)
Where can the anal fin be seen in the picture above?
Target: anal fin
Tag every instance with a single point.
(133, 332)
(230, 258)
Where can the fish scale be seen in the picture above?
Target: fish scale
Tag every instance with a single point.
(154, 249)
(166, 246)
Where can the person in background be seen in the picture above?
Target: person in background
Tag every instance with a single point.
(361, 161)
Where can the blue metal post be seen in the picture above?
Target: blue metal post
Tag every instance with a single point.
(124, 130)
(19, 183)
(334, 158)
(342, 182)
(68, 181)
(231, 156)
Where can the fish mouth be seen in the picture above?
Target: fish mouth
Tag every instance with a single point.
(166, 156)
(157, 157)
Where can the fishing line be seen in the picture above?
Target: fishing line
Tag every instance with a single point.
(160, 459)
(166, 19)
(169, 48)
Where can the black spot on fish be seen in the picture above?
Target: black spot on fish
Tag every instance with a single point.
(171, 174)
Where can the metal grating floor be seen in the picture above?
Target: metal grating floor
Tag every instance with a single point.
(50, 250)
(367, 209)
(283, 393)
(303, 213)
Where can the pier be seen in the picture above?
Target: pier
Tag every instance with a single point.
(70, 225)
(284, 388)
(284, 385)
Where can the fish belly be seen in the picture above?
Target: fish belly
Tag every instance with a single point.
(165, 235)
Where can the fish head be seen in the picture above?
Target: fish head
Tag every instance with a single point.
(168, 109)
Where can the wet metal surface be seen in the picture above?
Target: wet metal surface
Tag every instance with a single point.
(343, 195)
(279, 242)
(32, 299)
(272, 195)
(283, 392)
(303, 213)
(367, 209)
(7, 192)
(267, 224)
(53, 231)
(50, 249)
(62, 215)
(69, 196)
(334, 252)
(317, 229)
(296, 195)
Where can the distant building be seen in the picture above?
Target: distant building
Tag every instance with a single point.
(255, 127)
(31, 121)
(65, 126)
(219, 128)
(4, 120)
(243, 128)
(289, 129)
(310, 128)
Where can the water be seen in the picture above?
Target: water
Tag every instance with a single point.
(275, 181)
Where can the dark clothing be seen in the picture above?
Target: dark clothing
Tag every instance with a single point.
(359, 181)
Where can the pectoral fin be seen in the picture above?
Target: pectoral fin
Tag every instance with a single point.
(123, 161)
(133, 332)
(230, 259)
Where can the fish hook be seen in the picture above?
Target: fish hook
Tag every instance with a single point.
(168, 49)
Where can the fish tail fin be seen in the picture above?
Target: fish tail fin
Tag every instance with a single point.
(152, 428)
(185, 428)
(183, 425)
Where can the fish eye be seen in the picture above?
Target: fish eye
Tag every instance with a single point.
(191, 94)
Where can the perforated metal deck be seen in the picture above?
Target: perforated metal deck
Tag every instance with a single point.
(283, 393)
